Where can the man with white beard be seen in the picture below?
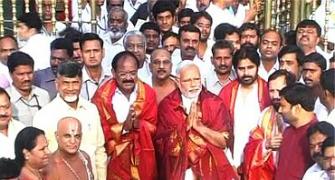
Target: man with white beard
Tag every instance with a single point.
(68, 103)
(113, 38)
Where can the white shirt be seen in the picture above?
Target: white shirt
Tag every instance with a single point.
(144, 73)
(220, 15)
(176, 60)
(240, 14)
(89, 86)
(93, 138)
(320, 16)
(265, 74)
(7, 142)
(331, 117)
(25, 109)
(311, 171)
(38, 47)
(320, 110)
(131, 8)
(85, 19)
(213, 84)
(111, 49)
(121, 104)
(4, 73)
(246, 116)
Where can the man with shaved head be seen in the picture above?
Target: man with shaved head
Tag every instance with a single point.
(68, 162)
(161, 66)
(192, 131)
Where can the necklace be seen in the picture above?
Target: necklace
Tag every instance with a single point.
(71, 169)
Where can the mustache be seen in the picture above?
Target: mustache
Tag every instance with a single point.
(223, 66)
(190, 48)
(244, 77)
(128, 81)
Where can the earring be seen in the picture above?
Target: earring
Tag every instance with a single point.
(26, 157)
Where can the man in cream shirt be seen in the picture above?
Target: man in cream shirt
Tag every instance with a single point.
(69, 103)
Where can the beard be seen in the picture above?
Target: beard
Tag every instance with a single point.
(70, 99)
(116, 33)
(192, 93)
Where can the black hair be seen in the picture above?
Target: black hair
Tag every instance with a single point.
(19, 58)
(189, 28)
(9, 169)
(289, 37)
(316, 58)
(271, 30)
(329, 142)
(246, 52)
(150, 26)
(31, 20)
(327, 81)
(72, 34)
(298, 93)
(322, 127)
(332, 59)
(309, 23)
(197, 15)
(250, 26)
(89, 37)
(69, 69)
(292, 49)
(3, 91)
(122, 56)
(162, 6)
(224, 29)
(62, 43)
(222, 44)
(25, 139)
(187, 12)
(289, 77)
(169, 34)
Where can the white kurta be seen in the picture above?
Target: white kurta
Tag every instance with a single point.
(246, 116)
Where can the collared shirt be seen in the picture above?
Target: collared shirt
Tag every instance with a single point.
(25, 109)
(92, 140)
(89, 86)
(176, 60)
(46, 79)
(111, 49)
(315, 169)
(38, 47)
(121, 104)
(213, 84)
(7, 142)
(265, 74)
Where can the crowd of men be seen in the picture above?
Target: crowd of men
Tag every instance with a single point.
(171, 90)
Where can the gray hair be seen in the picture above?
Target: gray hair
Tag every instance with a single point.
(133, 33)
(184, 64)
(116, 10)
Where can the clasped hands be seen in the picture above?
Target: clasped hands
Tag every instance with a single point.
(131, 121)
(194, 118)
